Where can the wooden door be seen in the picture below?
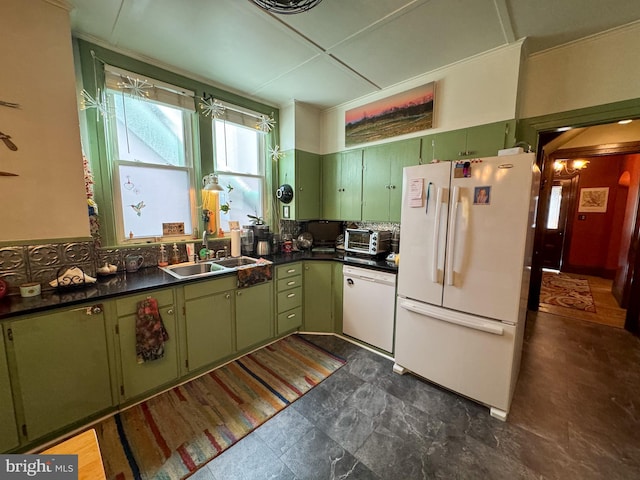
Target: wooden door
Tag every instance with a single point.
(561, 202)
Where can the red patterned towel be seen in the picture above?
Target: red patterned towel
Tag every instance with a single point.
(150, 331)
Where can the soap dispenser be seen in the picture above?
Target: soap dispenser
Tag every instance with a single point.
(175, 256)
(162, 257)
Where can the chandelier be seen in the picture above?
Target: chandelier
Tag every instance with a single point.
(287, 6)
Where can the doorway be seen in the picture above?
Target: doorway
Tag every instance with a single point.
(595, 246)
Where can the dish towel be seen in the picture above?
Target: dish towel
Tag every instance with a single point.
(150, 331)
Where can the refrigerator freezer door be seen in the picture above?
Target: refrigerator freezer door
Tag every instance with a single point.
(488, 237)
(424, 228)
(468, 355)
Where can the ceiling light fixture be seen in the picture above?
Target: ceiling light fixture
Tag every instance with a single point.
(286, 7)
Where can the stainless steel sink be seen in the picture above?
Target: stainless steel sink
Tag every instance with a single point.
(208, 268)
(190, 270)
(236, 262)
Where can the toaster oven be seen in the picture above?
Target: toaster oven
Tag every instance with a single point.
(367, 242)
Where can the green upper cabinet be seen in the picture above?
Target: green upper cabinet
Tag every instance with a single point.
(342, 185)
(301, 170)
(382, 178)
(8, 431)
(209, 313)
(473, 142)
(62, 367)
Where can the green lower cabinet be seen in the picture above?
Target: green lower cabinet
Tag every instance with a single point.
(254, 315)
(209, 312)
(318, 303)
(61, 365)
(8, 430)
(337, 296)
(143, 378)
(289, 293)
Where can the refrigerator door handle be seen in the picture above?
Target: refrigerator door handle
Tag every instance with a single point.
(455, 202)
(454, 319)
(436, 236)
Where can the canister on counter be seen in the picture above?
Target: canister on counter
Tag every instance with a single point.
(287, 244)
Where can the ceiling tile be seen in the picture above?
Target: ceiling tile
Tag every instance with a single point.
(548, 23)
(432, 35)
(332, 21)
(321, 82)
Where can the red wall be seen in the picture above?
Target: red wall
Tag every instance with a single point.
(595, 241)
(631, 164)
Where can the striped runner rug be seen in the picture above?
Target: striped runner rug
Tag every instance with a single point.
(173, 434)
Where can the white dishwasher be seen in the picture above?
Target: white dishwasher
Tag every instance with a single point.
(368, 306)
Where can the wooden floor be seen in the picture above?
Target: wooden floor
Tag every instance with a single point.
(607, 310)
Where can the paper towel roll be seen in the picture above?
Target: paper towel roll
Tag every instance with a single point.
(235, 243)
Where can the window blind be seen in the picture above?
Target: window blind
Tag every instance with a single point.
(240, 116)
(160, 92)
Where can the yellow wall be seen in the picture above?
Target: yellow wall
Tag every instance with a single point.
(476, 91)
(47, 200)
(594, 71)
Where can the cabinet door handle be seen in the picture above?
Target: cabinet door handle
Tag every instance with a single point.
(227, 296)
(393, 187)
(95, 310)
(238, 293)
(291, 295)
(170, 311)
(291, 315)
(291, 270)
(291, 283)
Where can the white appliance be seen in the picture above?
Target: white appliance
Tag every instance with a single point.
(368, 306)
(463, 278)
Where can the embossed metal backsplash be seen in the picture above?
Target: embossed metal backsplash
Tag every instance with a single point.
(42, 263)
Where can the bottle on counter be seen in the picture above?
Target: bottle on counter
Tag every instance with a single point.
(175, 255)
(163, 259)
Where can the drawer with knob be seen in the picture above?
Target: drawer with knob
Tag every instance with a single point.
(289, 299)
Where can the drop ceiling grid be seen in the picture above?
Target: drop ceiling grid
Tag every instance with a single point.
(432, 35)
(321, 82)
(228, 44)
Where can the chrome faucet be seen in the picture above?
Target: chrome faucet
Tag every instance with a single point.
(224, 252)
(205, 245)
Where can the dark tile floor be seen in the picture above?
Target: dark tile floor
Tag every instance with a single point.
(575, 415)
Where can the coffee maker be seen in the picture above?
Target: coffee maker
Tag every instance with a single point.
(263, 239)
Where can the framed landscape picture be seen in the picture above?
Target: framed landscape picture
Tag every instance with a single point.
(593, 200)
(406, 112)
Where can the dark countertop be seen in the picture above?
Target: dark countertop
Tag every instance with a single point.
(124, 283)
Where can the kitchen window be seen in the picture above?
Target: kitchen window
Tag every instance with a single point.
(150, 145)
(239, 163)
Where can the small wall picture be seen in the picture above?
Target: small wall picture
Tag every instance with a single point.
(593, 200)
(482, 195)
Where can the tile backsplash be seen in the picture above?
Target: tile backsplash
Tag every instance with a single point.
(42, 263)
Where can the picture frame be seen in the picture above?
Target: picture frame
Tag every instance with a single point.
(593, 200)
(399, 114)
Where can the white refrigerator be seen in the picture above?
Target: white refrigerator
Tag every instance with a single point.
(463, 278)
